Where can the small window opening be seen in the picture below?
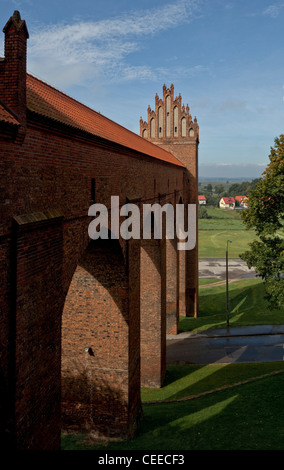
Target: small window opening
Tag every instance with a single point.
(93, 189)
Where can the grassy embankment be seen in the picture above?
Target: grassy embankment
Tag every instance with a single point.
(247, 302)
(227, 407)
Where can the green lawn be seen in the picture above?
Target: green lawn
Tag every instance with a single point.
(223, 225)
(220, 218)
(247, 416)
(247, 307)
(213, 243)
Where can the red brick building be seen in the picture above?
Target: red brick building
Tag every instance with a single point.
(82, 322)
(171, 127)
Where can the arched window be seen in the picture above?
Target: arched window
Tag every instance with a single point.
(175, 121)
(191, 132)
(160, 121)
(145, 133)
(168, 116)
(183, 127)
(152, 127)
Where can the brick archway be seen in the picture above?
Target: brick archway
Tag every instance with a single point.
(98, 369)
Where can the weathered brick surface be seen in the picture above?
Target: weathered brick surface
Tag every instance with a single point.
(153, 314)
(58, 287)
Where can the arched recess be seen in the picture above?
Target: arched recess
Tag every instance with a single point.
(153, 127)
(168, 116)
(183, 127)
(176, 129)
(160, 121)
(100, 346)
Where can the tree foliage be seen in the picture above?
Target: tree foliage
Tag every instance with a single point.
(265, 215)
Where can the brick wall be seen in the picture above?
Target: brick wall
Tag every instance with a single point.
(52, 171)
(49, 178)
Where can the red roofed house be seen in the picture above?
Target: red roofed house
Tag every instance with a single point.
(201, 199)
(242, 200)
(227, 203)
(83, 322)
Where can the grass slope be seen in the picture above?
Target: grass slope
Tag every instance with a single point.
(214, 232)
(247, 307)
(248, 416)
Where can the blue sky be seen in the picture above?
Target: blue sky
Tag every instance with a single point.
(225, 57)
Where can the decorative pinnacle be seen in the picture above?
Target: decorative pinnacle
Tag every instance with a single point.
(17, 17)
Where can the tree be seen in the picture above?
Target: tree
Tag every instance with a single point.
(265, 214)
(219, 188)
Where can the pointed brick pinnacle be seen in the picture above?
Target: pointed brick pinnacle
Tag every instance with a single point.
(17, 17)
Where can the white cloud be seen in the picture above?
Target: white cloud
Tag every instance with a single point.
(224, 164)
(102, 47)
(274, 10)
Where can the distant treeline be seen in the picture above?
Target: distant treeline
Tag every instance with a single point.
(213, 193)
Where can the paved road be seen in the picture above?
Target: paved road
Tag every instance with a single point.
(252, 344)
(216, 268)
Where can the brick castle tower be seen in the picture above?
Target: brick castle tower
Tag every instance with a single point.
(171, 127)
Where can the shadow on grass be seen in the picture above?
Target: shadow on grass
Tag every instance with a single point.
(247, 307)
(249, 416)
(190, 379)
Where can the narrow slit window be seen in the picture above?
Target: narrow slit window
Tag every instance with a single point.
(93, 190)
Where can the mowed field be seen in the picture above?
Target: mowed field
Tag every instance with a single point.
(223, 225)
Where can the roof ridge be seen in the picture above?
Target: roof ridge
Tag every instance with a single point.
(154, 151)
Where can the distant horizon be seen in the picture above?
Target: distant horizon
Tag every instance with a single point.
(225, 178)
(231, 171)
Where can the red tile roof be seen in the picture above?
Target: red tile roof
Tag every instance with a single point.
(5, 116)
(201, 197)
(228, 200)
(47, 101)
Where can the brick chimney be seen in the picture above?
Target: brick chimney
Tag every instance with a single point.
(14, 67)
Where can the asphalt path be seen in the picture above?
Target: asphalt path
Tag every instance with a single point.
(215, 268)
(229, 345)
(232, 345)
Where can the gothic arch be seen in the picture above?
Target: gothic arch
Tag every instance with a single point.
(183, 127)
(168, 115)
(96, 331)
(160, 121)
(153, 127)
(176, 126)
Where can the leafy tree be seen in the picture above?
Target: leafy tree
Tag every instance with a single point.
(265, 214)
(219, 188)
(202, 213)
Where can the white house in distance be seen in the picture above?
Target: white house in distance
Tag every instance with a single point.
(201, 199)
(243, 201)
(227, 203)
